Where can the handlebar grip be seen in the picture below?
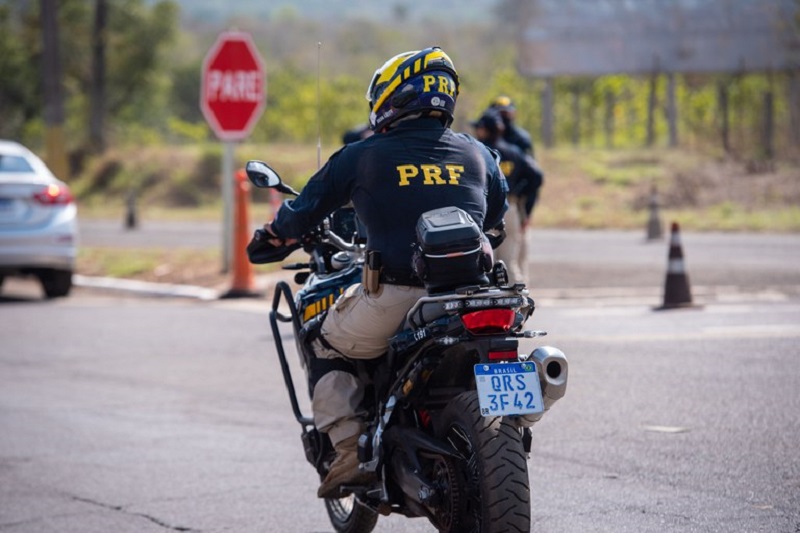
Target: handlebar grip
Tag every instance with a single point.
(260, 251)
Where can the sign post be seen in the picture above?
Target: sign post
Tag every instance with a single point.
(232, 99)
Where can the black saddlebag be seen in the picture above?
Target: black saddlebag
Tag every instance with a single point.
(451, 250)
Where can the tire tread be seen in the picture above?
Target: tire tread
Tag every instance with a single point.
(505, 489)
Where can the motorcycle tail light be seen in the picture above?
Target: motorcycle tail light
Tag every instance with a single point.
(488, 321)
(54, 194)
(504, 356)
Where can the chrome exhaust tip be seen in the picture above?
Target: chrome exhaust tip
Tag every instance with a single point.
(553, 369)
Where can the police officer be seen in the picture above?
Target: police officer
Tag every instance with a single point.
(360, 132)
(520, 138)
(513, 134)
(524, 180)
(414, 163)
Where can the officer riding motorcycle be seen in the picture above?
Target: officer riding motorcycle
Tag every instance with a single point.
(413, 186)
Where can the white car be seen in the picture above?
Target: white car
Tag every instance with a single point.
(38, 221)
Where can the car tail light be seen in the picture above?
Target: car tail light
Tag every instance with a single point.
(488, 321)
(54, 194)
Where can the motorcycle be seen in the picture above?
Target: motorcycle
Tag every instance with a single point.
(451, 403)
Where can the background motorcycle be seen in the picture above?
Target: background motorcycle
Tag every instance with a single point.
(451, 403)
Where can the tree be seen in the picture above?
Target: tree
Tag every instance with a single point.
(19, 99)
(98, 82)
(53, 90)
(113, 53)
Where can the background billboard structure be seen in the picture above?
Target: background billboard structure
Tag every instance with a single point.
(597, 37)
(592, 38)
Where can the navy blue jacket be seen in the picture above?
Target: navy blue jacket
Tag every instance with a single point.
(518, 137)
(521, 171)
(394, 177)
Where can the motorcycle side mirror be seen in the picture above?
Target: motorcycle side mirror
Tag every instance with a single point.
(264, 177)
(261, 175)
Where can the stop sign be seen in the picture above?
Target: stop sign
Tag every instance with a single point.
(233, 88)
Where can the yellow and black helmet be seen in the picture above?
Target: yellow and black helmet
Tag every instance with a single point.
(503, 103)
(422, 81)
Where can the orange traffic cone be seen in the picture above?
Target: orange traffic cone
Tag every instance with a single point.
(677, 293)
(243, 279)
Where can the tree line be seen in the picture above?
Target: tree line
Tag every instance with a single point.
(130, 74)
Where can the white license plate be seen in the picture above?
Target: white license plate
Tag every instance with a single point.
(508, 389)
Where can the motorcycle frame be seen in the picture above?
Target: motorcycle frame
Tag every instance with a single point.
(284, 291)
(410, 441)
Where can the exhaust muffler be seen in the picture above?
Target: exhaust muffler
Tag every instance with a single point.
(553, 368)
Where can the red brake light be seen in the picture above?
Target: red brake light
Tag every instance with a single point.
(504, 356)
(54, 194)
(488, 321)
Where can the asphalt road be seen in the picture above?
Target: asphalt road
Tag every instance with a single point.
(131, 414)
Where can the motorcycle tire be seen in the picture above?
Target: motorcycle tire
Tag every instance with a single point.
(493, 487)
(349, 516)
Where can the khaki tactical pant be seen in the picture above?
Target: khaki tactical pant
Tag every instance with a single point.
(510, 251)
(358, 326)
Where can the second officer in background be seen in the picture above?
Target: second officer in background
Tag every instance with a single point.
(524, 180)
(513, 133)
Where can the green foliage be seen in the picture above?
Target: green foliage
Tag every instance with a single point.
(184, 97)
(294, 112)
(153, 80)
(136, 37)
(19, 104)
(184, 131)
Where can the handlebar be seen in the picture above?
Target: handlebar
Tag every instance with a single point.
(332, 238)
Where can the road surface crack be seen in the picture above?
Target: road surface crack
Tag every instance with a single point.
(122, 509)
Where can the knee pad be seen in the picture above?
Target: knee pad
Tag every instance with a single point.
(320, 367)
(311, 337)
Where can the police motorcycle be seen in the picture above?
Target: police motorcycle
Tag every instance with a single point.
(451, 404)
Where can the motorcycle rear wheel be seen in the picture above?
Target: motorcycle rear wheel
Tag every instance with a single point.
(349, 516)
(495, 488)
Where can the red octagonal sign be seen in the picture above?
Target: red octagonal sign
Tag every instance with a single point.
(233, 88)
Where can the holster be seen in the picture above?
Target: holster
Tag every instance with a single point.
(371, 278)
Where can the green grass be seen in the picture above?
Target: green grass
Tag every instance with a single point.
(119, 263)
(180, 265)
(584, 188)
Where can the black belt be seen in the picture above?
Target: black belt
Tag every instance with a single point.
(400, 278)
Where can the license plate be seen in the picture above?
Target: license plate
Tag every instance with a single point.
(508, 389)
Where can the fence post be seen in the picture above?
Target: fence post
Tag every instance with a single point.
(725, 129)
(651, 110)
(672, 111)
(769, 126)
(547, 113)
(609, 119)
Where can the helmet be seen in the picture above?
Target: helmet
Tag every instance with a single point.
(422, 81)
(491, 121)
(505, 106)
(503, 103)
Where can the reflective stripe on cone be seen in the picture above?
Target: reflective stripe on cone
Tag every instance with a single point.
(677, 293)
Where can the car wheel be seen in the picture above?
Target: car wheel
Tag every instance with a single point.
(56, 283)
